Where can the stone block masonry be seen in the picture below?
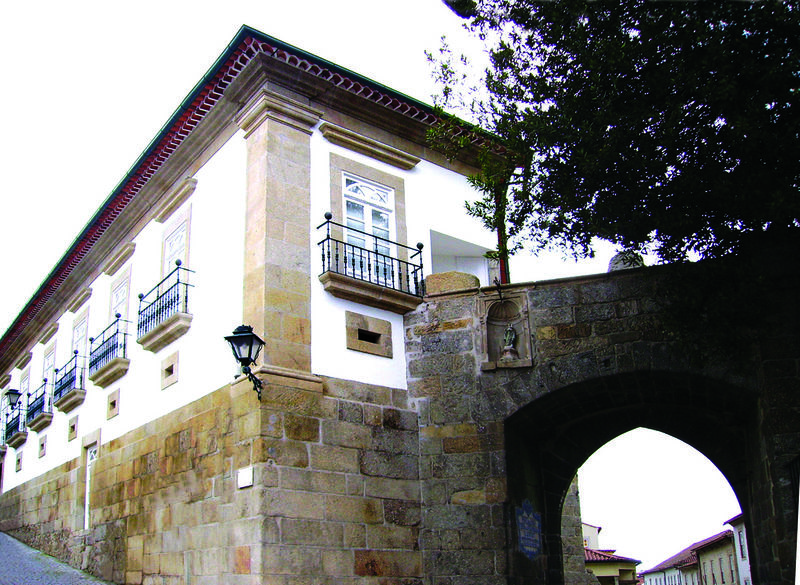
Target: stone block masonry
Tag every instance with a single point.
(335, 493)
(500, 443)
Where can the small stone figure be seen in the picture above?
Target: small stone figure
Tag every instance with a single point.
(509, 340)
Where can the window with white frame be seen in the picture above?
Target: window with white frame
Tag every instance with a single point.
(369, 212)
(25, 383)
(80, 333)
(175, 244)
(49, 362)
(368, 207)
(120, 293)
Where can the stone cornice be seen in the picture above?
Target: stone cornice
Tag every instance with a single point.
(372, 148)
(4, 380)
(119, 258)
(24, 360)
(48, 333)
(78, 300)
(267, 104)
(173, 199)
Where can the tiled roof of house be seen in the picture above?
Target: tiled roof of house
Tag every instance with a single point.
(605, 556)
(735, 520)
(687, 556)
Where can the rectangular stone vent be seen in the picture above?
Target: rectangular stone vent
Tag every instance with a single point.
(368, 334)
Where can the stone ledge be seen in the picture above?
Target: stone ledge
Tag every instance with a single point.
(174, 199)
(500, 364)
(165, 333)
(111, 372)
(286, 377)
(372, 148)
(70, 400)
(118, 259)
(367, 293)
(42, 421)
(17, 439)
(79, 299)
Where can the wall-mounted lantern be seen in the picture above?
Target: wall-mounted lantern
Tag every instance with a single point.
(246, 346)
(13, 397)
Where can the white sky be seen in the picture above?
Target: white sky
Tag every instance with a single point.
(87, 85)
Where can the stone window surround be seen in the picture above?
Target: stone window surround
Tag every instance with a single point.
(82, 351)
(113, 405)
(125, 276)
(72, 429)
(340, 165)
(87, 441)
(368, 334)
(181, 218)
(169, 371)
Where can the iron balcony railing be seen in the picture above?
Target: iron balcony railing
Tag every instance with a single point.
(69, 377)
(375, 263)
(167, 298)
(14, 416)
(38, 402)
(110, 344)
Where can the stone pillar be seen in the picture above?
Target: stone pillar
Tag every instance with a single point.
(277, 267)
(572, 539)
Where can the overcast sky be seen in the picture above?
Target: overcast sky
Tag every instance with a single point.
(87, 85)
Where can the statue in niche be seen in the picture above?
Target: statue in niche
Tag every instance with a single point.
(506, 342)
(509, 352)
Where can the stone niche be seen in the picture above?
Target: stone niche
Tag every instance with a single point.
(505, 331)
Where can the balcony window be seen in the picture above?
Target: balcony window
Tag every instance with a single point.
(39, 412)
(68, 389)
(108, 359)
(164, 311)
(376, 270)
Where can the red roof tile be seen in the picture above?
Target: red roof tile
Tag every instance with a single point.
(605, 556)
(687, 556)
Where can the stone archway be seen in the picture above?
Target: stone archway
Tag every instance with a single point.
(551, 437)
(602, 360)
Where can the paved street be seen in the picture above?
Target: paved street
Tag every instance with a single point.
(23, 565)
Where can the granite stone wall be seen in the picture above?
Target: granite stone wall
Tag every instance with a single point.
(593, 357)
(334, 495)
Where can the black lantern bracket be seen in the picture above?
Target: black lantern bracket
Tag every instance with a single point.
(246, 346)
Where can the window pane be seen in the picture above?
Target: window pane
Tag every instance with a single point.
(380, 220)
(355, 211)
(174, 248)
(79, 337)
(355, 240)
(49, 363)
(119, 300)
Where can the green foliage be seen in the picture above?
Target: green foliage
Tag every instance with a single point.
(663, 127)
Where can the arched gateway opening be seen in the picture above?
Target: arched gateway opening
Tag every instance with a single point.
(551, 437)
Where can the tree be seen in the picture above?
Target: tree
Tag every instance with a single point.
(664, 127)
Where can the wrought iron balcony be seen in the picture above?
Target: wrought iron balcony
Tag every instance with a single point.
(380, 262)
(167, 300)
(109, 345)
(68, 377)
(39, 411)
(13, 419)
